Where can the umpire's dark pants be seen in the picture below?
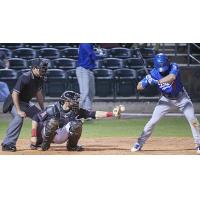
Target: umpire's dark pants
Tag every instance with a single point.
(16, 123)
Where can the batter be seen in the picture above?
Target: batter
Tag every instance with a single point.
(166, 76)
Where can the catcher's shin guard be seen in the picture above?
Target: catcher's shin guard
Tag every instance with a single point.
(49, 133)
(75, 134)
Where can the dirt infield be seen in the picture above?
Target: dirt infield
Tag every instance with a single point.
(115, 146)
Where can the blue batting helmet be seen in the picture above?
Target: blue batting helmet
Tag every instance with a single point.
(161, 62)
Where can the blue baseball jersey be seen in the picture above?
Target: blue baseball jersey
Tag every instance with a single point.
(170, 89)
(87, 56)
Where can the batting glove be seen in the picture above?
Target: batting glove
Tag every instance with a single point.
(151, 80)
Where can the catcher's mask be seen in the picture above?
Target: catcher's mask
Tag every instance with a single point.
(71, 97)
(42, 65)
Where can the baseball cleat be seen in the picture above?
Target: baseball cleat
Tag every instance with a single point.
(198, 150)
(75, 148)
(35, 147)
(11, 148)
(136, 147)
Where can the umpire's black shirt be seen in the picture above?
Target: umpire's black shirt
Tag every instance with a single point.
(27, 86)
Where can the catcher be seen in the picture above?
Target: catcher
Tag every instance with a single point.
(61, 122)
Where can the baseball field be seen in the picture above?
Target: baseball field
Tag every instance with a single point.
(115, 137)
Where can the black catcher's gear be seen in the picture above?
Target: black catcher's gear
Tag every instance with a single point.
(75, 134)
(72, 97)
(49, 133)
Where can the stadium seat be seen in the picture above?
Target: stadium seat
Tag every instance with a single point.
(73, 82)
(149, 62)
(17, 63)
(147, 52)
(25, 53)
(151, 90)
(35, 45)
(135, 53)
(64, 63)
(11, 45)
(74, 45)
(8, 52)
(20, 72)
(8, 76)
(134, 63)
(56, 82)
(101, 53)
(125, 82)
(58, 45)
(49, 53)
(122, 53)
(103, 82)
(110, 63)
(70, 53)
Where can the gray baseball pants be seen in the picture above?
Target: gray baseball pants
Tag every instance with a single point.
(86, 83)
(184, 104)
(16, 123)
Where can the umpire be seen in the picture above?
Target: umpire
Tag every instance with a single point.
(28, 85)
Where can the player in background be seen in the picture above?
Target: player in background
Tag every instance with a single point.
(166, 76)
(61, 122)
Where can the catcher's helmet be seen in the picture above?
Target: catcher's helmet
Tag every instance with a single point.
(41, 64)
(70, 96)
(161, 62)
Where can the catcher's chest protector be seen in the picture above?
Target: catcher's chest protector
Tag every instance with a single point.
(66, 117)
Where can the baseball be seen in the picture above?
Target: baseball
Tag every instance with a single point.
(122, 108)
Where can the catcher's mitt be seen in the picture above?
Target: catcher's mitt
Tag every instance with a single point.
(118, 110)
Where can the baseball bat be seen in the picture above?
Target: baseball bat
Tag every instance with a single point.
(144, 65)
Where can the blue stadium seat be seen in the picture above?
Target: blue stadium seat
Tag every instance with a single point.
(135, 53)
(64, 63)
(110, 63)
(25, 53)
(11, 45)
(134, 63)
(17, 63)
(58, 45)
(147, 52)
(8, 76)
(125, 82)
(73, 82)
(8, 52)
(149, 62)
(101, 53)
(74, 45)
(122, 53)
(104, 82)
(56, 82)
(49, 53)
(35, 45)
(70, 53)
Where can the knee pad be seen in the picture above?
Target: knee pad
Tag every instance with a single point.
(76, 127)
(52, 125)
